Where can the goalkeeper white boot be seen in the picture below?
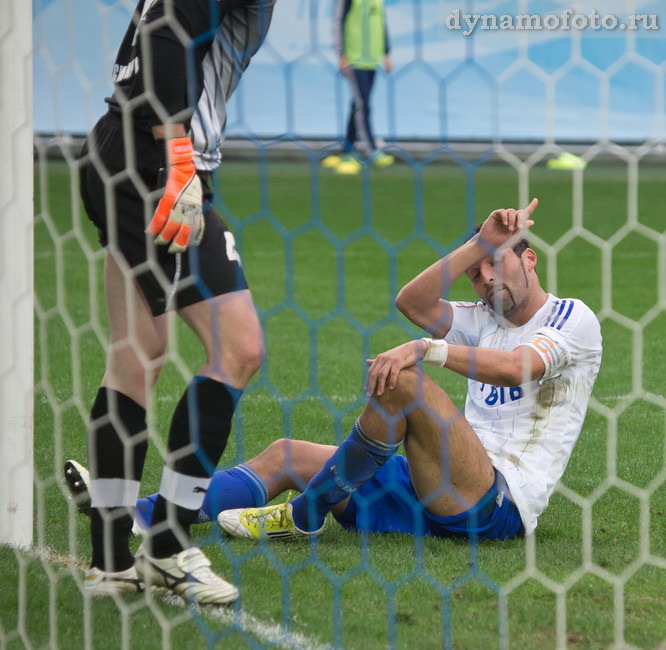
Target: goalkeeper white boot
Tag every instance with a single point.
(274, 522)
(187, 574)
(108, 583)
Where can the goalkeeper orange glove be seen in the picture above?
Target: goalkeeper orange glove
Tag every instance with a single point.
(179, 219)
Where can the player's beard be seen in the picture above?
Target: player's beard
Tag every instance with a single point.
(510, 303)
(503, 302)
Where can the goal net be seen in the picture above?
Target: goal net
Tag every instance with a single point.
(481, 110)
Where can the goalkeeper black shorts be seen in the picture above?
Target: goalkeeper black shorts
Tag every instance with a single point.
(120, 201)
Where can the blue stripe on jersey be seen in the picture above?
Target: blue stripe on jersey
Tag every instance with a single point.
(564, 320)
(552, 324)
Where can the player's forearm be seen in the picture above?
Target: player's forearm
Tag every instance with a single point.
(496, 367)
(421, 299)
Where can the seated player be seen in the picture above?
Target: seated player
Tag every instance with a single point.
(532, 360)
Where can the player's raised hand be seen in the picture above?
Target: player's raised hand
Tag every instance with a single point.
(385, 368)
(178, 219)
(506, 224)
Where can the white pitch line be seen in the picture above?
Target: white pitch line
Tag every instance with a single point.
(268, 632)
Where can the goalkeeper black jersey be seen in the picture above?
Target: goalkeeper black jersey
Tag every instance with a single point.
(181, 59)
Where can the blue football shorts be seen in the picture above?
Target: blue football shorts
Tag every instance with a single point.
(388, 504)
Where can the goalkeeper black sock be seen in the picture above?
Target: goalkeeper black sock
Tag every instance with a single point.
(117, 445)
(198, 435)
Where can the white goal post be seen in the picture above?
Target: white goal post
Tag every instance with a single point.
(16, 275)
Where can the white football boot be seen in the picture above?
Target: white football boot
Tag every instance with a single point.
(187, 574)
(111, 583)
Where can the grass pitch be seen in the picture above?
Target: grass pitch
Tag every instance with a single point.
(325, 256)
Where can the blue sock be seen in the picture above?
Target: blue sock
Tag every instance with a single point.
(144, 510)
(355, 462)
(238, 487)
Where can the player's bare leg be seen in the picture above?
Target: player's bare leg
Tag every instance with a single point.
(229, 329)
(449, 467)
(138, 340)
(289, 464)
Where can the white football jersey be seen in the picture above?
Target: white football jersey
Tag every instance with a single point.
(529, 431)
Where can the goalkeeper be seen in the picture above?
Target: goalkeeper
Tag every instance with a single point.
(532, 360)
(145, 175)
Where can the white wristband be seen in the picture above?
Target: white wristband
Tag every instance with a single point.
(437, 352)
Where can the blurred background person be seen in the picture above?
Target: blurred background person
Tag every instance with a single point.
(362, 43)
